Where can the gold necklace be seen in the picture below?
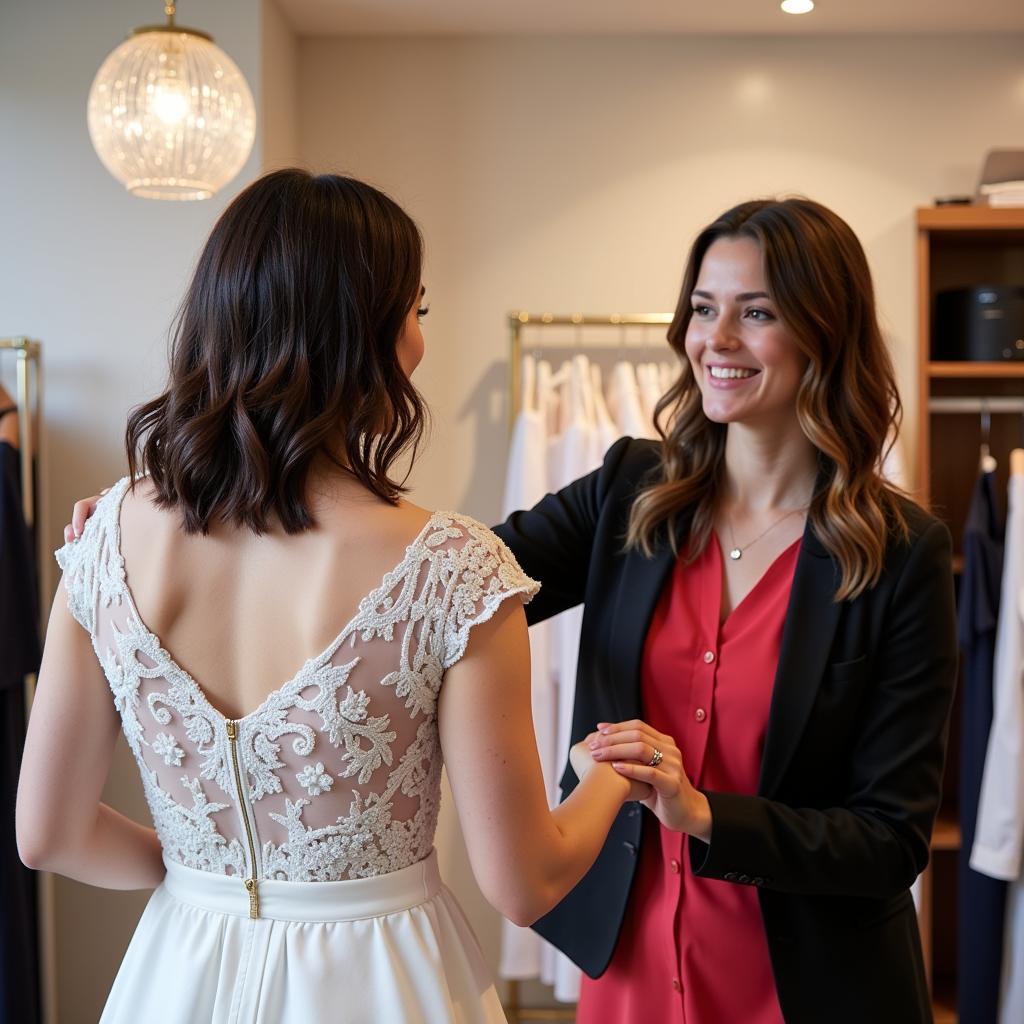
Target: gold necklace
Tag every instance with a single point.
(736, 551)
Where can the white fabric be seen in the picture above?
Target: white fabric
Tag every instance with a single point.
(894, 465)
(336, 775)
(666, 375)
(624, 402)
(648, 378)
(999, 833)
(606, 433)
(526, 482)
(393, 947)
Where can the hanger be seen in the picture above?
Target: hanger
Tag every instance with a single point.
(1017, 454)
(528, 396)
(988, 462)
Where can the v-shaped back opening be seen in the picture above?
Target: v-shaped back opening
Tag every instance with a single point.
(379, 591)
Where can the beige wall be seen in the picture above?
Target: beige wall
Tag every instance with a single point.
(569, 174)
(279, 57)
(96, 274)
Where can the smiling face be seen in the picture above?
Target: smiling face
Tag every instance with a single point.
(745, 360)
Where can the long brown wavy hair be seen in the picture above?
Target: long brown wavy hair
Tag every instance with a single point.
(847, 404)
(283, 351)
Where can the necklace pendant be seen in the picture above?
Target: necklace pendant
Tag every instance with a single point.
(735, 554)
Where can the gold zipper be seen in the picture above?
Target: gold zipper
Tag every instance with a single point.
(251, 884)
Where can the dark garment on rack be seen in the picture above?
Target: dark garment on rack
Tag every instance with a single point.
(19, 656)
(982, 900)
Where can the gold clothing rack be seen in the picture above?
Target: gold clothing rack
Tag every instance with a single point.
(518, 320)
(29, 353)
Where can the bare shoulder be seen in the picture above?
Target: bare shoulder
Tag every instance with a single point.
(142, 522)
(373, 522)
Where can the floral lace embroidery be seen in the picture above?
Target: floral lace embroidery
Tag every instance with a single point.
(314, 779)
(454, 576)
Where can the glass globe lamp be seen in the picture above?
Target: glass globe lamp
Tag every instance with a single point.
(170, 114)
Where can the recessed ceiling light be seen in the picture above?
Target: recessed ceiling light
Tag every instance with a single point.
(797, 6)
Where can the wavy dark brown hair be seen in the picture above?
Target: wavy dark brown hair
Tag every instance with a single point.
(847, 404)
(284, 351)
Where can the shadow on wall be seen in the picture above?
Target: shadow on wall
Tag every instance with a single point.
(486, 413)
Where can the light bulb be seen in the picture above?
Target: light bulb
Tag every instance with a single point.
(170, 103)
(797, 6)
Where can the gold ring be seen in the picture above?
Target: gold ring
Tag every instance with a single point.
(656, 759)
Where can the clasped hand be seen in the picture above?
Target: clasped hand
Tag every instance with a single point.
(630, 747)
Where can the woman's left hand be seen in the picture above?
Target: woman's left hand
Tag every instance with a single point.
(630, 747)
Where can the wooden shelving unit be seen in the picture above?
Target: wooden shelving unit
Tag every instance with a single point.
(958, 247)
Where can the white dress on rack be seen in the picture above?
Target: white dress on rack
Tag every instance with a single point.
(301, 884)
(648, 378)
(606, 433)
(526, 482)
(625, 404)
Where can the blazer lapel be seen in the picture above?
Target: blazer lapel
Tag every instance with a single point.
(639, 588)
(811, 620)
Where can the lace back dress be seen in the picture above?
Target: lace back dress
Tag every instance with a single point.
(298, 839)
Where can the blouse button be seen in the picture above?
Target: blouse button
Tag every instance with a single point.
(677, 985)
(674, 865)
(700, 714)
(709, 656)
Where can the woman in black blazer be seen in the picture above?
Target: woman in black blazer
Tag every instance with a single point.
(773, 434)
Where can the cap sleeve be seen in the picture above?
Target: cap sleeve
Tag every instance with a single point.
(484, 574)
(92, 566)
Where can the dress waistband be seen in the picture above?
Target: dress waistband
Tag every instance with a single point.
(348, 900)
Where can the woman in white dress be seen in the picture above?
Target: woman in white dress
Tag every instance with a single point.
(294, 793)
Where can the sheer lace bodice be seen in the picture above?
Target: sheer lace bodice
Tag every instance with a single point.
(337, 773)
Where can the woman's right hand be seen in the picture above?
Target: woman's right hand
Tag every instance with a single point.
(79, 514)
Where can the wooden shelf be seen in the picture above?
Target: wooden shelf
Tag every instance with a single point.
(944, 1000)
(1011, 368)
(944, 1011)
(946, 834)
(971, 218)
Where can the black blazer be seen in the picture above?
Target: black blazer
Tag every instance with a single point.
(851, 775)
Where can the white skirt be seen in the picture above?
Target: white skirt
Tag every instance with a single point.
(395, 949)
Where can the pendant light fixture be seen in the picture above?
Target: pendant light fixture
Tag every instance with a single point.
(170, 114)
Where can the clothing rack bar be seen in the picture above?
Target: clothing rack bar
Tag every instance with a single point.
(589, 319)
(28, 351)
(968, 405)
(518, 319)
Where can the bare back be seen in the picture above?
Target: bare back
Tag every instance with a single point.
(241, 612)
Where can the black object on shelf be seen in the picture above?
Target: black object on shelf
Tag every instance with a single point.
(980, 324)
